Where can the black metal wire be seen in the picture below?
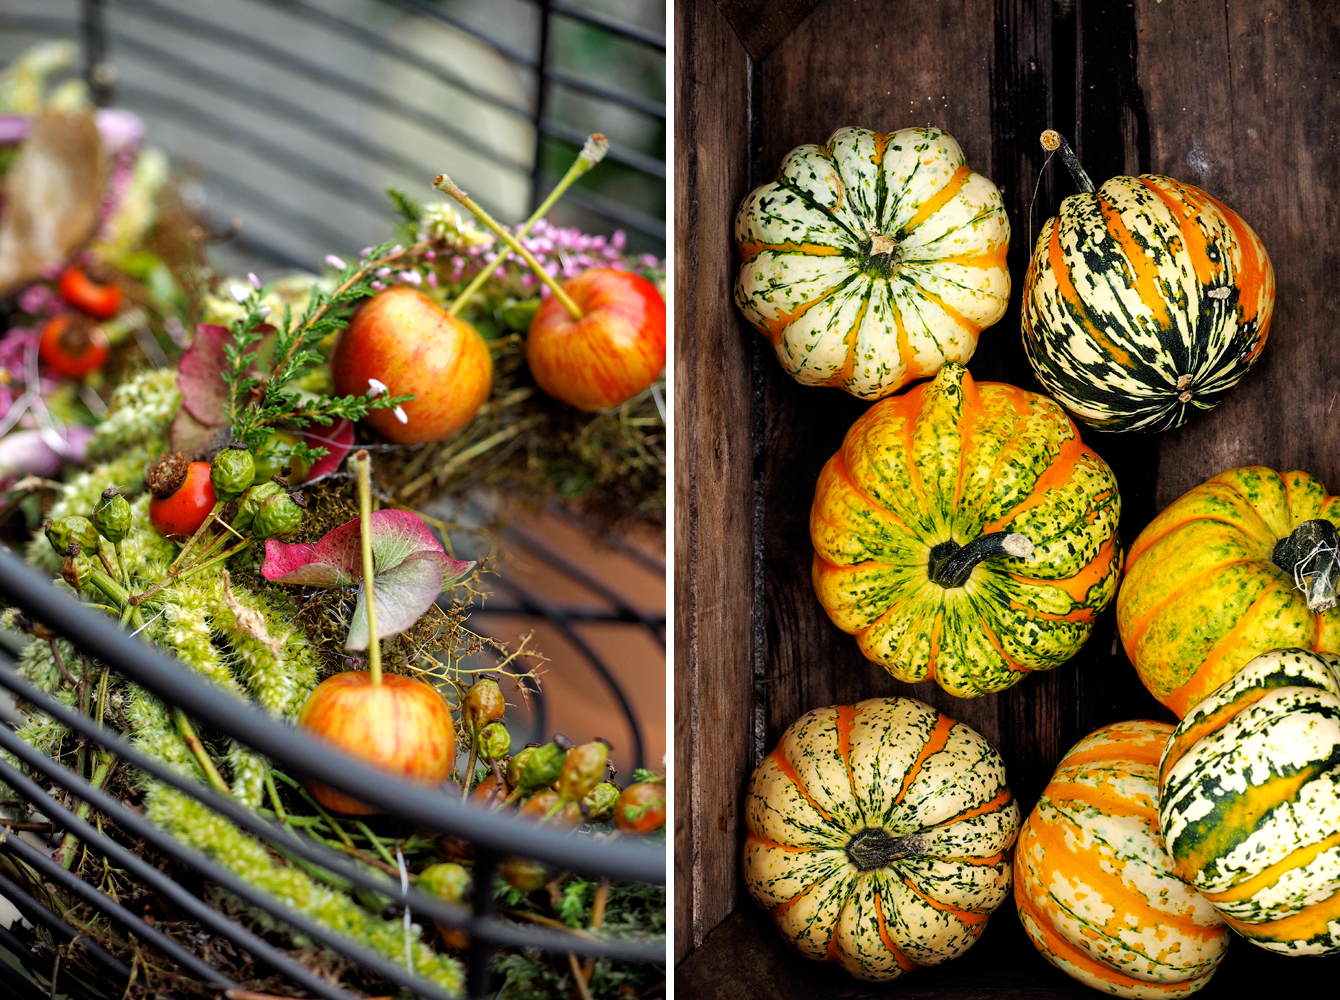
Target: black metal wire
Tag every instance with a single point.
(61, 978)
(24, 587)
(610, 24)
(287, 839)
(35, 913)
(292, 62)
(80, 889)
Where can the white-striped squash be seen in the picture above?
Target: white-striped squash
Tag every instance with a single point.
(1145, 301)
(1096, 891)
(1249, 801)
(872, 260)
(879, 836)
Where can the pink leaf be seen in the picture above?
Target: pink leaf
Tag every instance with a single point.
(338, 438)
(411, 569)
(204, 394)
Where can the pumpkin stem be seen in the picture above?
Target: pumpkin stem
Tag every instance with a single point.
(1311, 555)
(1053, 142)
(873, 848)
(951, 564)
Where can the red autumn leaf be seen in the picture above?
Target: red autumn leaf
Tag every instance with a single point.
(337, 439)
(204, 394)
(411, 569)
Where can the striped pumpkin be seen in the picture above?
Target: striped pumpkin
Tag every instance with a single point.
(1250, 801)
(1096, 891)
(1145, 301)
(965, 533)
(1214, 580)
(873, 259)
(879, 836)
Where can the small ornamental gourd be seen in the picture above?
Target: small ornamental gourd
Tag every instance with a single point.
(1241, 564)
(1144, 301)
(1096, 892)
(1250, 801)
(965, 533)
(872, 260)
(879, 836)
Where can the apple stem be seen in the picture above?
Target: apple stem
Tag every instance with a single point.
(363, 469)
(445, 184)
(592, 153)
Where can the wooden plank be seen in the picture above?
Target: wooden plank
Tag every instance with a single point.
(1247, 98)
(714, 462)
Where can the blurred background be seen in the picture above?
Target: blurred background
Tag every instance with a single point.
(293, 116)
(288, 119)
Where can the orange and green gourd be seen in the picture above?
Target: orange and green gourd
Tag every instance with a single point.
(1250, 801)
(1096, 892)
(872, 260)
(879, 836)
(1145, 301)
(965, 533)
(1243, 563)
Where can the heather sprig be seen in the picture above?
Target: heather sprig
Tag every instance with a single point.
(256, 401)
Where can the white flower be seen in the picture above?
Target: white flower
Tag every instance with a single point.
(401, 415)
(263, 312)
(335, 262)
(240, 293)
(375, 388)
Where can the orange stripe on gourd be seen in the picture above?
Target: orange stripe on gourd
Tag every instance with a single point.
(777, 327)
(756, 838)
(850, 340)
(1053, 944)
(1266, 877)
(785, 767)
(1193, 237)
(1079, 312)
(1077, 587)
(1001, 799)
(749, 249)
(934, 743)
(1239, 815)
(1310, 922)
(846, 716)
(970, 919)
(938, 200)
(1058, 473)
(992, 258)
(899, 956)
(1140, 626)
(1145, 273)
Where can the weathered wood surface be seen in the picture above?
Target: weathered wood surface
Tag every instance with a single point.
(1243, 99)
(714, 471)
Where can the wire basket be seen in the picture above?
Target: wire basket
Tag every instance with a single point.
(493, 837)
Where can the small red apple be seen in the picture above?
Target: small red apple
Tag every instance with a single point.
(401, 725)
(409, 343)
(610, 355)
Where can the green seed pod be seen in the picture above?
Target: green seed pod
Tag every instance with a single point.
(62, 531)
(523, 874)
(542, 768)
(273, 456)
(583, 769)
(232, 471)
(250, 502)
(518, 762)
(493, 741)
(601, 800)
(483, 703)
(447, 881)
(278, 517)
(112, 517)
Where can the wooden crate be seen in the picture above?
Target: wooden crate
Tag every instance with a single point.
(1241, 98)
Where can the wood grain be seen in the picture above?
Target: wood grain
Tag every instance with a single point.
(762, 24)
(1247, 98)
(714, 461)
(1243, 99)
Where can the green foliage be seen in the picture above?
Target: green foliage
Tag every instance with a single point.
(277, 396)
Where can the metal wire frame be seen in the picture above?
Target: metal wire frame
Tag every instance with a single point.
(98, 41)
(99, 638)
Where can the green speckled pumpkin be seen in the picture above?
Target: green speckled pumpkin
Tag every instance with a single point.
(965, 533)
(872, 260)
(1249, 801)
(879, 836)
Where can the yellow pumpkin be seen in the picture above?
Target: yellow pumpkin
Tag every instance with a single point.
(879, 836)
(1242, 564)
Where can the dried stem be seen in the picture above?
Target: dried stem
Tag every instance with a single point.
(363, 469)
